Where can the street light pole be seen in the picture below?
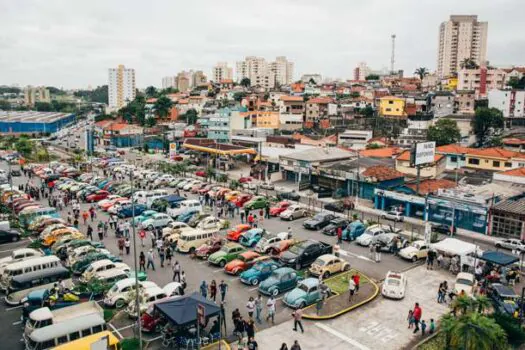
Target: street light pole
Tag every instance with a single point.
(137, 299)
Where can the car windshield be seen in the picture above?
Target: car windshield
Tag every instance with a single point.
(225, 249)
(319, 262)
(464, 282)
(259, 267)
(303, 287)
(296, 249)
(393, 282)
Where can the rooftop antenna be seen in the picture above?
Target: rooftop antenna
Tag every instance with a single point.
(393, 57)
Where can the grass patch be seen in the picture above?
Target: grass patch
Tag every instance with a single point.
(339, 283)
(109, 314)
(130, 344)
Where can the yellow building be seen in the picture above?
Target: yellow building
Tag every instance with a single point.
(265, 119)
(392, 107)
(450, 83)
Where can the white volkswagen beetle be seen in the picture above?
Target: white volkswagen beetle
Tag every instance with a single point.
(394, 285)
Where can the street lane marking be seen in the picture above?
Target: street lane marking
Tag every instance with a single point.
(14, 308)
(215, 271)
(116, 331)
(347, 253)
(341, 336)
(16, 323)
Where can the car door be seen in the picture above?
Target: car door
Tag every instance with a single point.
(308, 255)
(313, 295)
(422, 252)
(3, 236)
(286, 281)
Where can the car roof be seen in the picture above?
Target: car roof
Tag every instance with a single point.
(250, 254)
(283, 270)
(310, 282)
(504, 290)
(232, 245)
(327, 257)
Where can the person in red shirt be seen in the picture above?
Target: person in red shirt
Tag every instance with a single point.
(339, 235)
(250, 219)
(417, 316)
(356, 279)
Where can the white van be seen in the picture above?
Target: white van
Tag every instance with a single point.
(149, 296)
(118, 296)
(140, 197)
(155, 194)
(184, 206)
(19, 255)
(102, 265)
(189, 241)
(62, 333)
(27, 266)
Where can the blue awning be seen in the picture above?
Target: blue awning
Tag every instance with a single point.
(499, 258)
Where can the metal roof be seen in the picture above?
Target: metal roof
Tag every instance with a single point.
(31, 116)
(320, 154)
(515, 206)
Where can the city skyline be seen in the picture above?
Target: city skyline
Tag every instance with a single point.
(50, 44)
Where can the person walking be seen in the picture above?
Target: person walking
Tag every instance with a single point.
(90, 232)
(351, 289)
(289, 233)
(371, 250)
(430, 259)
(339, 235)
(120, 243)
(423, 327)
(283, 346)
(162, 256)
(142, 262)
(176, 272)
(223, 287)
(168, 254)
(153, 238)
(242, 217)
(270, 305)
(204, 289)
(432, 327)
(213, 290)
(127, 245)
(297, 317)
(378, 252)
(357, 280)
(183, 279)
(105, 229)
(249, 327)
(252, 344)
(410, 319)
(258, 308)
(85, 216)
(250, 307)
(417, 316)
(151, 260)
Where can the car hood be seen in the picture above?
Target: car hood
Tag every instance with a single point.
(408, 250)
(217, 255)
(364, 237)
(330, 227)
(250, 273)
(269, 282)
(311, 222)
(294, 295)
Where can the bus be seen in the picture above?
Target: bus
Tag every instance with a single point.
(86, 343)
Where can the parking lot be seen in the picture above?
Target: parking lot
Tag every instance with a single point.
(199, 270)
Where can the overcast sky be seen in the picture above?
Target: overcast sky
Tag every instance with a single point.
(72, 43)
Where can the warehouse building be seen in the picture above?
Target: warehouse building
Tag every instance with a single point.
(28, 122)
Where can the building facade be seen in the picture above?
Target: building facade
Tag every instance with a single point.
(392, 107)
(510, 102)
(221, 72)
(316, 78)
(36, 94)
(481, 80)
(221, 124)
(121, 86)
(282, 69)
(461, 37)
(355, 139)
(169, 82)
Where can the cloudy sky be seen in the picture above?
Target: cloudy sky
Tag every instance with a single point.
(72, 43)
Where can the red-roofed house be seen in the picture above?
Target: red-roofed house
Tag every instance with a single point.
(431, 186)
(123, 135)
(516, 176)
(380, 173)
(387, 152)
(291, 104)
(432, 171)
(317, 108)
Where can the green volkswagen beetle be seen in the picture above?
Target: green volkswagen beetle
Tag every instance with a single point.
(227, 253)
(306, 293)
(258, 202)
(281, 280)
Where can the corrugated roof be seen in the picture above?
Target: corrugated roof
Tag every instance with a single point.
(515, 206)
(320, 154)
(382, 173)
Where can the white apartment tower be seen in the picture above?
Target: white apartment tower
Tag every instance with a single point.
(221, 71)
(169, 82)
(461, 37)
(121, 86)
(283, 70)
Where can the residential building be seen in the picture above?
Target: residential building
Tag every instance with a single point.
(221, 72)
(221, 124)
(121, 87)
(183, 82)
(464, 102)
(123, 135)
(317, 108)
(316, 78)
(513, 176)
(392, 107)
(290, 121)
(169, 82)
(461, 37)
(481, 80)
(442, 103)
(493, 159)
(361, 71)
(431, 171)
(258, 71)
(510, 102)
(264, 119)
(416, 130)
(282, 69)
(198, 79)
(355, 139)
(291, 105)
(36, 94)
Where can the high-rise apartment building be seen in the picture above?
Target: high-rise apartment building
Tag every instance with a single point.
(36, 94)
(460, 38)
(361, 71)
(169, 82)
(121, 86)
(221, 72)
(283, 70)
(198, 78)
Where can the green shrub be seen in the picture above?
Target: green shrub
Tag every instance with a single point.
(511, 326)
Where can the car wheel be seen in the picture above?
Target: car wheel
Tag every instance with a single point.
(326, 274)
(414, 258)
(498, 245)
(275, 292)
(222, 263)
(302, 305)
(346, 268)
(15, 238)
(255, 282)
(119, 304)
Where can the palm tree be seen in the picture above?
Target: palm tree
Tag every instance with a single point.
(163, 106)
(468, 63)
(483, 303)
(421, 72)
(473, 331)
(463, 303)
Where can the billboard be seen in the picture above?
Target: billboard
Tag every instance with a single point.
(173, 150)
(424, 153)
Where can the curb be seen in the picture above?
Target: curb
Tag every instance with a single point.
(344, 311)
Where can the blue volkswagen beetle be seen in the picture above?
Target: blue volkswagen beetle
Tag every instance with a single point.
(259, 272)
(306, 293)
(251, 237)
(354, 230)
(281, 280)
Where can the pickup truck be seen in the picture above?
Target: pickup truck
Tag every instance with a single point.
(304, 253)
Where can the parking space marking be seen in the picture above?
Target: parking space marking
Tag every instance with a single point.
(215, 271)
(347, 253)
(126, 327)
(252, 289)
(116, 331)
(14, 308)
(16, 323)
(341, 336)
(234, 279)
(202, 262)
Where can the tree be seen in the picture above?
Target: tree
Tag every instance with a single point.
(355, 94)
(312, 81)
(169, 90)
(444, 132)
(55, 91)
(372, 77)
(24, 146)
(473, 331)
(516, 83)
(210, 173)
(421, 72)
(163, 106)
(367, 112)
(190, 116)
(238, 96)
(151, 91)
(150, 122)
(246, 82)
(5, 105)
(486, 120)
(43, 106)
(468, 63)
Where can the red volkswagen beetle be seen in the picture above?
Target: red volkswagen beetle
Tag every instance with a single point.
(279, 208)
(97, 196)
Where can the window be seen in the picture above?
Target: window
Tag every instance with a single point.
(496, 164)
(97, 329)
(390, 102)
(86, 332)
(62, 340)
(473, 161)
(508, 165)
(48, 344)
(453, 159)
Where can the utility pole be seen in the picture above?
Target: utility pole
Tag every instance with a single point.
(392, 57)
(358, 174)
(137, 298)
